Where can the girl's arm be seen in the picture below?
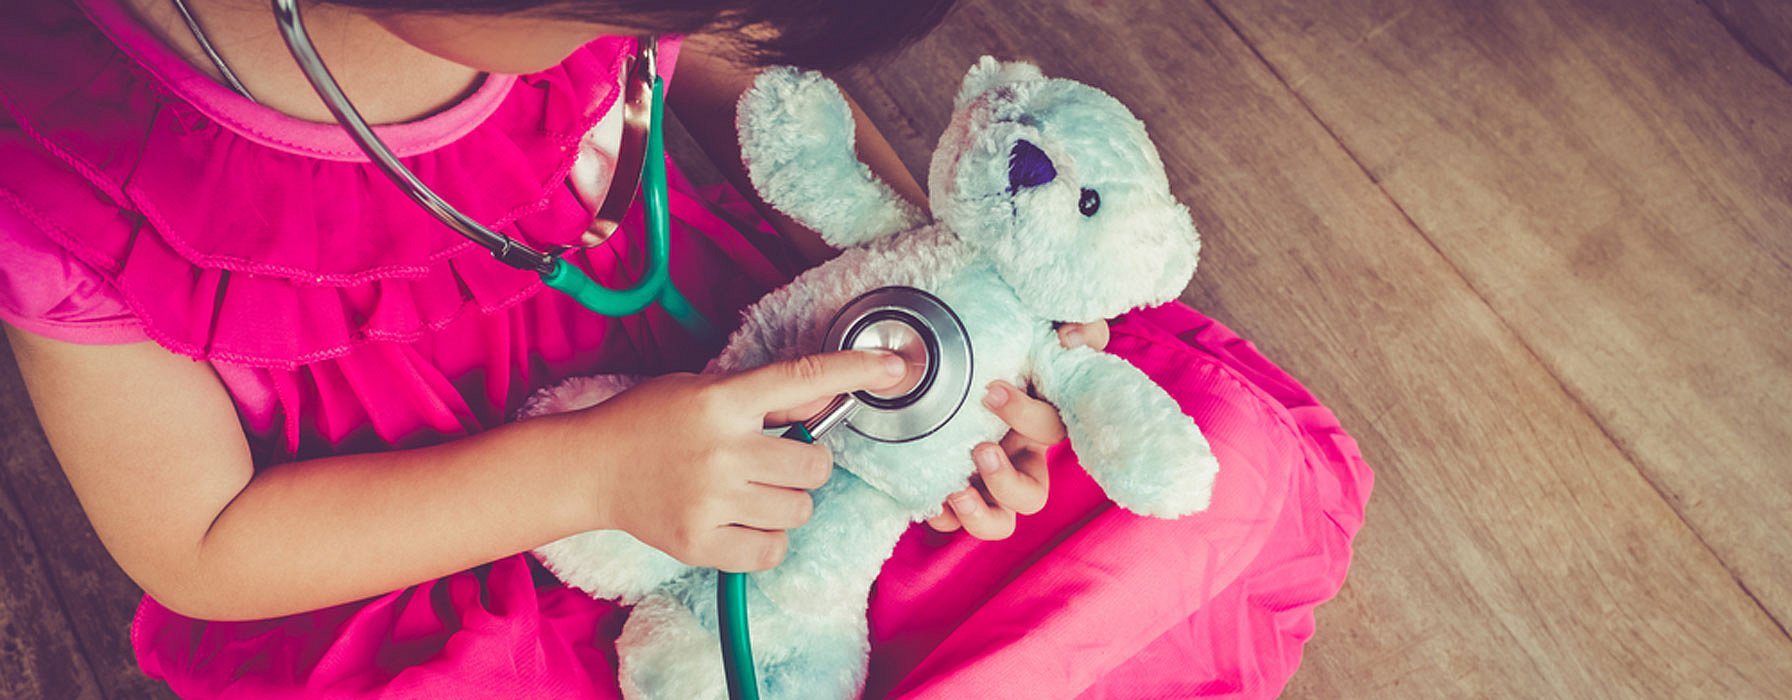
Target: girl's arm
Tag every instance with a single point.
(152, 446)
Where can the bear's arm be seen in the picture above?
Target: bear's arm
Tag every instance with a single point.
(796, 138)
(1147, 455)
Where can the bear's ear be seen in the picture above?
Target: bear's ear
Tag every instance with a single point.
(989, 74)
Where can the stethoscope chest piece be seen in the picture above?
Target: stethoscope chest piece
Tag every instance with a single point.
(922, 330)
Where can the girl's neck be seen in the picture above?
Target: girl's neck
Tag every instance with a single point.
(389, 80)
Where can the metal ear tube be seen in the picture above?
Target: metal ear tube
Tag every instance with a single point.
(643, 104)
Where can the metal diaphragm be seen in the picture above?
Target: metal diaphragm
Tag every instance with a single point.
(921, 329)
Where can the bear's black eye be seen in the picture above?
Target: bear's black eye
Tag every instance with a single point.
(1090, 203)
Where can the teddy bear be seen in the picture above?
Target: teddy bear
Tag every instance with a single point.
(1049, 204)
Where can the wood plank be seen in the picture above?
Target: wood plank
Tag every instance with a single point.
(1616, 179)
(39, 654)
(1763, 27)
(98, 598)
(1512, 549)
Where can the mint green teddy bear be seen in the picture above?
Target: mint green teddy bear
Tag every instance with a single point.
(1049, 204)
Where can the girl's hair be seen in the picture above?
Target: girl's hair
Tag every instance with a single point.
(818, 34)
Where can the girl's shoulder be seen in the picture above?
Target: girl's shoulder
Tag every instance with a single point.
(186, 204)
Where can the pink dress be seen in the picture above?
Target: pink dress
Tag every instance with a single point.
(139, 200)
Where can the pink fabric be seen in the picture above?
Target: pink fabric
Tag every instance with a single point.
(1087, 600)
(1084, 601)
(46, 291)
(141, 200)
(236, 270)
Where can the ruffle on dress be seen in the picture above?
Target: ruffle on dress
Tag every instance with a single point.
(281, 275)
(47, 292)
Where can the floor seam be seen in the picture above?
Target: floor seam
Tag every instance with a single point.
(1748, 47)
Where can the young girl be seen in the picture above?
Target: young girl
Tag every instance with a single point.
(281, 390)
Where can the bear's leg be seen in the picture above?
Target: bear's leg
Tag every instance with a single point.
(820, 659)
(665, 652)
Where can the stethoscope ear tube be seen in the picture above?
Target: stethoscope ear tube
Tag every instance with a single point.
(654, 284)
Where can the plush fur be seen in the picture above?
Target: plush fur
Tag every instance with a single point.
(1016, 242)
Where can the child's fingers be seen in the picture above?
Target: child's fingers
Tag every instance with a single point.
(1010, 488)
(741, 549)
(782, 386)
(791, 464)
(1093, 335)
(979, 517)
(945, 521)
(799, 413)
(1032, 418)
(772, 508)
(1027, 456)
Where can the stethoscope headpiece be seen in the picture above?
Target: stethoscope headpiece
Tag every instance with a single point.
(925, 332)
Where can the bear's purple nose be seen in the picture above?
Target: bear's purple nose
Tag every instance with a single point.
(1028, 167)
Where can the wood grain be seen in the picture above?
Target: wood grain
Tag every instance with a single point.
(40, 655)
(40, 652)
(1534, 254)
(93, 600)
(1512, 548)
(1763, 29)
(1615, 179)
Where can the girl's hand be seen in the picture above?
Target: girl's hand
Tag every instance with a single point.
(699, 480)
(1011, 477)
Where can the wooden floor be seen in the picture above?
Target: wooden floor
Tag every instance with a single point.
(1537, 255)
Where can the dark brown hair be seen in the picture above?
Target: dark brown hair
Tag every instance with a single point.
(819, 34)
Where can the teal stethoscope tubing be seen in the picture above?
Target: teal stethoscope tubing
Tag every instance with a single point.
(655, 283)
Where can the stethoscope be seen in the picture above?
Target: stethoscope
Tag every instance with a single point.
(915, 325)
(643, 100)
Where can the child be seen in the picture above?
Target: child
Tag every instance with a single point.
(281, 390)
